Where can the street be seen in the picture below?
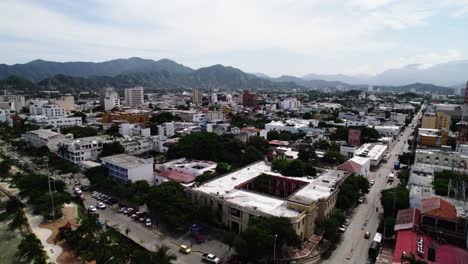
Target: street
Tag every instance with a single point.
(353, 247)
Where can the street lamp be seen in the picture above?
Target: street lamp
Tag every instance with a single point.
(274, 249)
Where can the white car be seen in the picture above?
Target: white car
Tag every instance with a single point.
(360, 199)
(342, 228)
(210, 258)
(148, 222)
(91, 209)
(371, 182)
(101, 205)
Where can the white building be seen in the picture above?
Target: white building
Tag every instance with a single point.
(192, 167)
(215, 116)
(360, 122)
(18, 101)
(388, 131)
(166, 130)
(357, 165)
(375, 152)
(290, 104)
(214, 98)
(82, 149)
(292, 125)
(129, 168)
(348, 150)
(44, 137)
(132, 130)
(134, 96)
(56, 122)
(5, 115)
(110, 99)
(200, 118)
(49, 110)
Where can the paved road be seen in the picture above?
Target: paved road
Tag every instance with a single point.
(150, 238)
(354, 247)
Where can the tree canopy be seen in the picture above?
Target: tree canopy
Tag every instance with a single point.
(113, 148)
(394, 199)
(79, 131)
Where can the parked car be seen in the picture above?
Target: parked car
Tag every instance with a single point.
(136, 215)
(184, 249)
(94, 194)
(82, 198)
(129, 211)
(148, 222)
(347, 220)
(371, 182)
(91, 209)
(142, 217)
(101, 205)
(361, 199)
(342, 228)
(122, 209)
(210, 258)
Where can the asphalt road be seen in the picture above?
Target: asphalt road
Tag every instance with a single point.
(353, 247)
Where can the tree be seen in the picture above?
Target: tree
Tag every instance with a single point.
(258, 239)
(162, 117)
(394, 199)
(251, 154)
(307, 115)
(307, 153)
(82, 115)
(294, 168)
(259, 143)
(163, 256)
(273, 135)
(31, 250)
(114, 148)
(5, 168)
(333, 157)
(113, 131)
(222, 168)
(79, 132)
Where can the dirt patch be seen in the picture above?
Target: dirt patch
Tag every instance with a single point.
(69, 216)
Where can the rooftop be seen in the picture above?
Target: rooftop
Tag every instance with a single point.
(44, 133)
(373, 151)
(439, 208)
(125, 160)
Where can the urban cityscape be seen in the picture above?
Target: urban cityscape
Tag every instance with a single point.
(124, 159)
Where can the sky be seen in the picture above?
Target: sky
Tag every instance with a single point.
(275, 37)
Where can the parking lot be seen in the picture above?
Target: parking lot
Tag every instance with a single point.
(150, 237)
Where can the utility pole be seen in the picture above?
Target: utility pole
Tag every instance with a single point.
(50, 190)
(274, 249)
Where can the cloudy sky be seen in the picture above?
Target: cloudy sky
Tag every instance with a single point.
(275, 37)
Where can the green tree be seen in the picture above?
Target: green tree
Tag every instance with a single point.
(164, 256)
(273, 135)
(114, 148)
(162, 117)
(307, 153)
(82, 115)
(31, 250)
(259, 143)
(79, 132)
(394, 199)
(333, 157)
(411, 259)
(251, 154)
(222, 168)
(5, 168)
(113, 131)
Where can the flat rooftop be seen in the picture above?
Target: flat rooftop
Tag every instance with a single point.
(126, 161)
(44, 133)
(225, 187)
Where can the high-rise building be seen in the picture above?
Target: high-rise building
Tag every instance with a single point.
(214, 98)
(134, 96)
(197, 97)
(439, 120)
(67, 102)
(249, 99)
(109, 99)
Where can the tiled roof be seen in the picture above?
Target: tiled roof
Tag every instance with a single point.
(407, 219)
(350, 166)
(439, 208)
(177, 176)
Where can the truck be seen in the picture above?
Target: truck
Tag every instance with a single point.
(391, 177)
(375, 247)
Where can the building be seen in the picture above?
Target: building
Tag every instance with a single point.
(56, 122)
(197, 97)
(291, 104)
(292, 125)
(44, 137)
(129, 168)
(215, 116)
(440, 120)
(443, 157)
(132, 130)
(67, 102)
(18, 101)
(388, 131)
(109, 99)
(82, 149)
(200, 118)
(432, 137)
(375, 152)
(191, 167)
(357, 166)
(214, 98)
(166, 130)
(43, 108)
(134, 97)
(237, 198)
(170, 175)
(129, 116)
(249, 99)
(348, 150)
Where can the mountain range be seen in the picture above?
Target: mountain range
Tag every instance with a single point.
(166, 73)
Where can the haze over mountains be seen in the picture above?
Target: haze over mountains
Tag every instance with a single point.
(169, 74)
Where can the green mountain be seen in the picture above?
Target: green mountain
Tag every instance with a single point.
(39, 69)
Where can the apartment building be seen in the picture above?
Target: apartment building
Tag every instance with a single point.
(443, 157)
(82, 149)
(238, 198)
(134, 97)
(187, 166)
(109, 99)
(43, 107)
(197, 96)
(44, 137)
(129, 168)
(129, 116)
(439, 120)
(56, 122)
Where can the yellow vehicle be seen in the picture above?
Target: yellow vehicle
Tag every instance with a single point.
(185, 249)
(367, 235)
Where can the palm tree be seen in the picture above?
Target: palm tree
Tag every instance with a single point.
(31, 250)
(411, 259)
(163, 255)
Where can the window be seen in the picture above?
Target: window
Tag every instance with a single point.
(235, 212)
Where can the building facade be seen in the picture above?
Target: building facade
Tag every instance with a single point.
(134, 97)
(129, 168)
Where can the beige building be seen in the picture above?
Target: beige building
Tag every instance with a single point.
(197, 97)
(242, 195)
(440, 120)
(443, 158)
(67, 102)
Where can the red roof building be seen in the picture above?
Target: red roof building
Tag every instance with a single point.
(176, 176)
(438, 208)
(408, 219)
